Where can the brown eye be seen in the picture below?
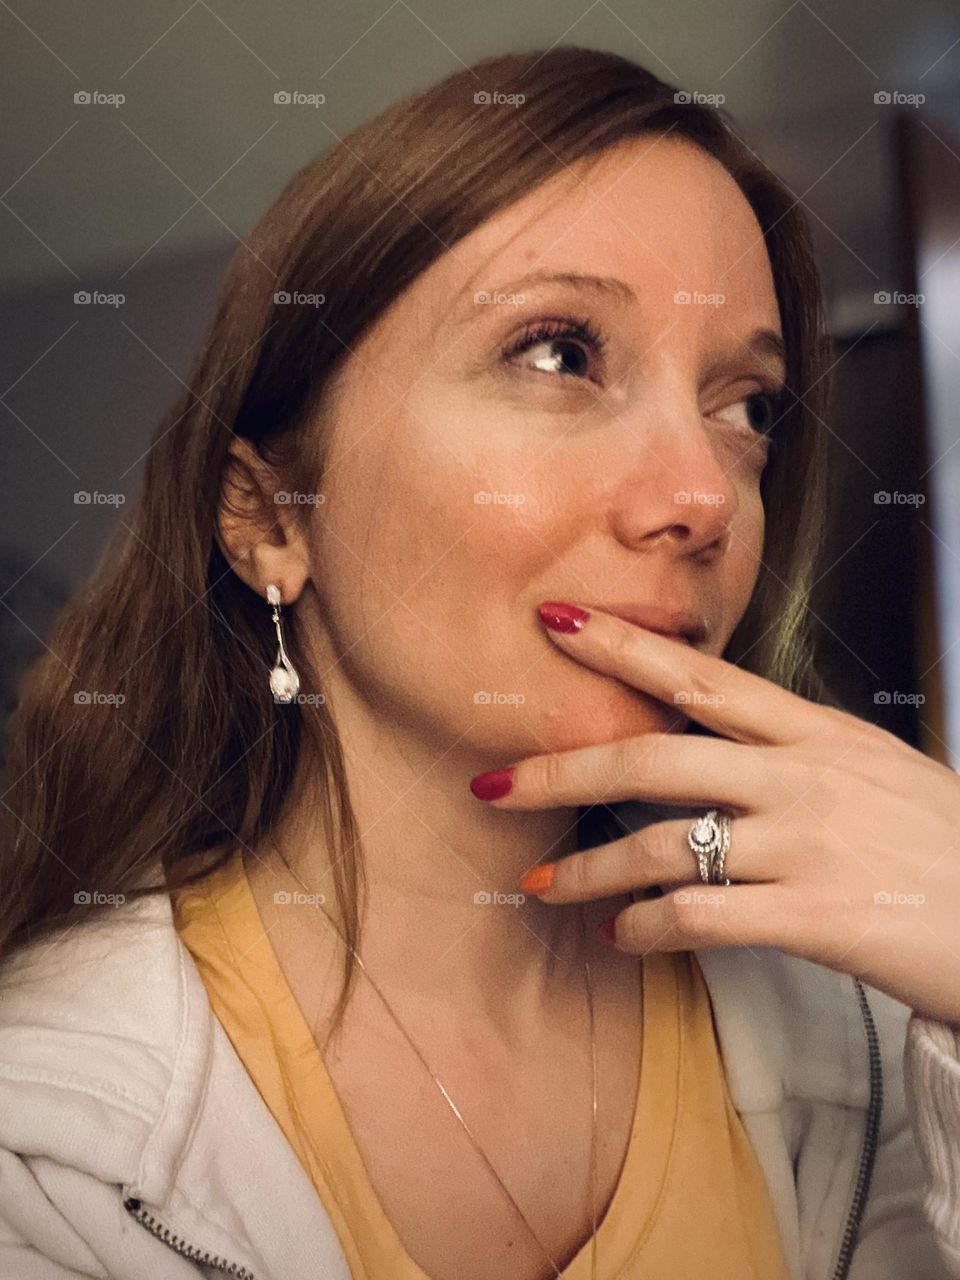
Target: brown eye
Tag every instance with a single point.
(562, 346)
(763, 410)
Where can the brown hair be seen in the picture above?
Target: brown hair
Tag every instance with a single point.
(198, 758)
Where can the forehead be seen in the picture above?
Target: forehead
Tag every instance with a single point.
(659, 213)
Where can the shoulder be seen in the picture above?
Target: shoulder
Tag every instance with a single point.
(100, 1025)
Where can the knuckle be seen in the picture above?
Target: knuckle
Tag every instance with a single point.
(576, 874)
(692, 912)
(697, 681)
(783, 775)
(622, 646)
(658, 848)
(628, 932)
(623, 762)
(550, 775)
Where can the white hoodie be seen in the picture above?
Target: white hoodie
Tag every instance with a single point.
(134, 1146)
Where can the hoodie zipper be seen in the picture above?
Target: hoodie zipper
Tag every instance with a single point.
(870, 1140)
(134, 1206)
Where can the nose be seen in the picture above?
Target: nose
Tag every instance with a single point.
(677, 495)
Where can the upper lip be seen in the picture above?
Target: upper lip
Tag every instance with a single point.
(671, 620)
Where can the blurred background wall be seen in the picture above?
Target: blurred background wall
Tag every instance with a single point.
(141, 142)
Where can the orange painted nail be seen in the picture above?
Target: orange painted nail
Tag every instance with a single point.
(537, 879)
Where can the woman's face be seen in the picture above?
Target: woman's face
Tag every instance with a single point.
(504, 437)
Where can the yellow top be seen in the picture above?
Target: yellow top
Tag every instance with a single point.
(691, 1198)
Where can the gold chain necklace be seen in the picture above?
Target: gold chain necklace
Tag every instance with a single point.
(456, 1111)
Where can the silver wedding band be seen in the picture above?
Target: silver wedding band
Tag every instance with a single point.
(709, 839)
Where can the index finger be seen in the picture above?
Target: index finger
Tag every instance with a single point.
(716, 693)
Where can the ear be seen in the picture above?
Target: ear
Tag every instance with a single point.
(262, 539)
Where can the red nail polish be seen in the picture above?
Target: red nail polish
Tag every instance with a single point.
(562, 617)
(491, 786)
(607, 928)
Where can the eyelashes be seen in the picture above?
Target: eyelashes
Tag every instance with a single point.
(555, 330)
(591, 340)
(775, 400)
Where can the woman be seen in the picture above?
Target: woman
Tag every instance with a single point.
(501, 465)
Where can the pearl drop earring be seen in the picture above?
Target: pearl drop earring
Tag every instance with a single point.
(284, 681)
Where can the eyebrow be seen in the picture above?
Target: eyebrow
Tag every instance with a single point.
(767, 342)
(609, 285)
(761, 341)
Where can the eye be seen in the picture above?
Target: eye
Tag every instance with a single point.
(764, 410)
(562, 345)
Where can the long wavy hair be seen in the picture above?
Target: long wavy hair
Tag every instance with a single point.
(197, 759)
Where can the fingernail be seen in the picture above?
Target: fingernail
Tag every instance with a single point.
(537, 878)
(608, 928)
(562, 617)
(491, 786)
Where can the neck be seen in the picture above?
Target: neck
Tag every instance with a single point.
(443, 917)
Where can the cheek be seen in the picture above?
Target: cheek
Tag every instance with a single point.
(437, 523)
(432, 565)
(742, 562)
(438, 539)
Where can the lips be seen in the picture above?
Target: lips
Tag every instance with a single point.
(680, 622)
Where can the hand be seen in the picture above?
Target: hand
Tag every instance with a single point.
(844, 840)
